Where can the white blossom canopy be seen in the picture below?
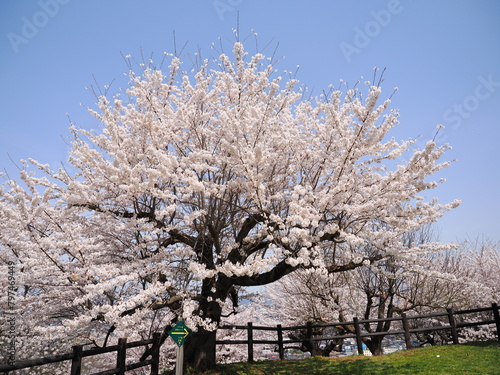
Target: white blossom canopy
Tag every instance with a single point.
(197, 185)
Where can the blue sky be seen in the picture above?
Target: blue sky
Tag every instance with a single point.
(444, 56)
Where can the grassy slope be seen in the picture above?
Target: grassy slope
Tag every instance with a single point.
(475, 358)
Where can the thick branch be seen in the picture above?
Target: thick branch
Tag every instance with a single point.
(249, 223)
(280, 270)
(352, 265)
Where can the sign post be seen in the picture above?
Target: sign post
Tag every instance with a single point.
(179, 333)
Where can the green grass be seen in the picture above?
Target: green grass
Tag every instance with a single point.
(481, 358)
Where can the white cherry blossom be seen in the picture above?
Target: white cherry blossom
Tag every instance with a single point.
(198, 185)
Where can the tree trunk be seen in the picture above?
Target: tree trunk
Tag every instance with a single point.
(199, 352)
(375, 345)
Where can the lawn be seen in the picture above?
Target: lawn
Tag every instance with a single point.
(474, 358)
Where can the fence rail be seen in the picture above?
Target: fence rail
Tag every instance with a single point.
(121, 348)
(358, 334)
(78, 354)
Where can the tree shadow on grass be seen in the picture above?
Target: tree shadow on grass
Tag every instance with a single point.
(479, 358)
(483, 343)
(312, 366)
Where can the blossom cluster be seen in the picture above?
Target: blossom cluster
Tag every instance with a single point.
(200, 184)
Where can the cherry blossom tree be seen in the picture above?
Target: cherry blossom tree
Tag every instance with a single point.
(483, 258)
(477, 269)
(459, 276)
(378, 290)
(199, 184)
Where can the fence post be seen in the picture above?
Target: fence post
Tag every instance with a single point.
(76, 362)
(453, 325)
(121, 356)
(155, 353)
(496, 315)
(281, 350)
(310, 338)
(250, 341)
(406, 328)
(357, 330)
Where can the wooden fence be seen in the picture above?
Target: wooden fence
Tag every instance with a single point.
(280, 342)
(78, 354)
(121, 366)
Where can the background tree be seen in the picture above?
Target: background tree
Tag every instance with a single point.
(477, 273)
(197, 185)
(483, 258)
(442, 276)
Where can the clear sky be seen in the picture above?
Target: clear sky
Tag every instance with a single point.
(444, 56)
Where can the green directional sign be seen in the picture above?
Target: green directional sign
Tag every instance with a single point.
(179, 333)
